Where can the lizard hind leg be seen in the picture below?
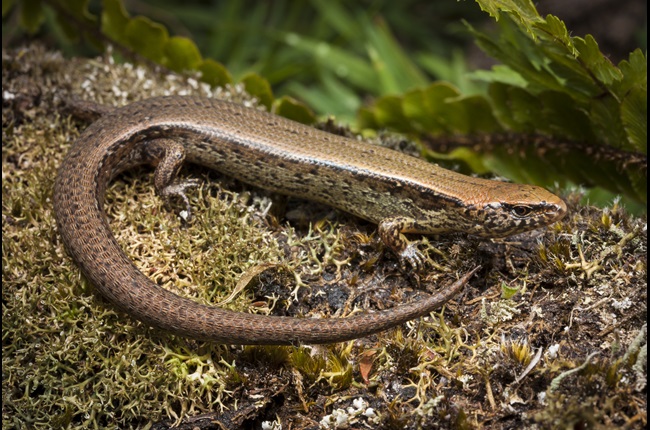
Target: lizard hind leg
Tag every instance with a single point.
(168, 156)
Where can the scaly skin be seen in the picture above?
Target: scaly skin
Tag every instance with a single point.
(399, 193)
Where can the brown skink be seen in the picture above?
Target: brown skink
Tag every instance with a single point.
(400, 193)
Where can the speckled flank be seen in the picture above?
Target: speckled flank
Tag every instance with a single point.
(398, 192)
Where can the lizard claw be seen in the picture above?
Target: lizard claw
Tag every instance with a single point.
(412, 257)
(178, 189)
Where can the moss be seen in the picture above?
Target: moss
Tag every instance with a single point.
(539, 308)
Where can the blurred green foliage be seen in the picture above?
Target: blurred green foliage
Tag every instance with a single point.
(330, 54)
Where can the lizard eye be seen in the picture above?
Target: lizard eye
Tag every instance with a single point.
(521, 211)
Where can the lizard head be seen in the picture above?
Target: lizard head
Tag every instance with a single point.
(508, 209)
